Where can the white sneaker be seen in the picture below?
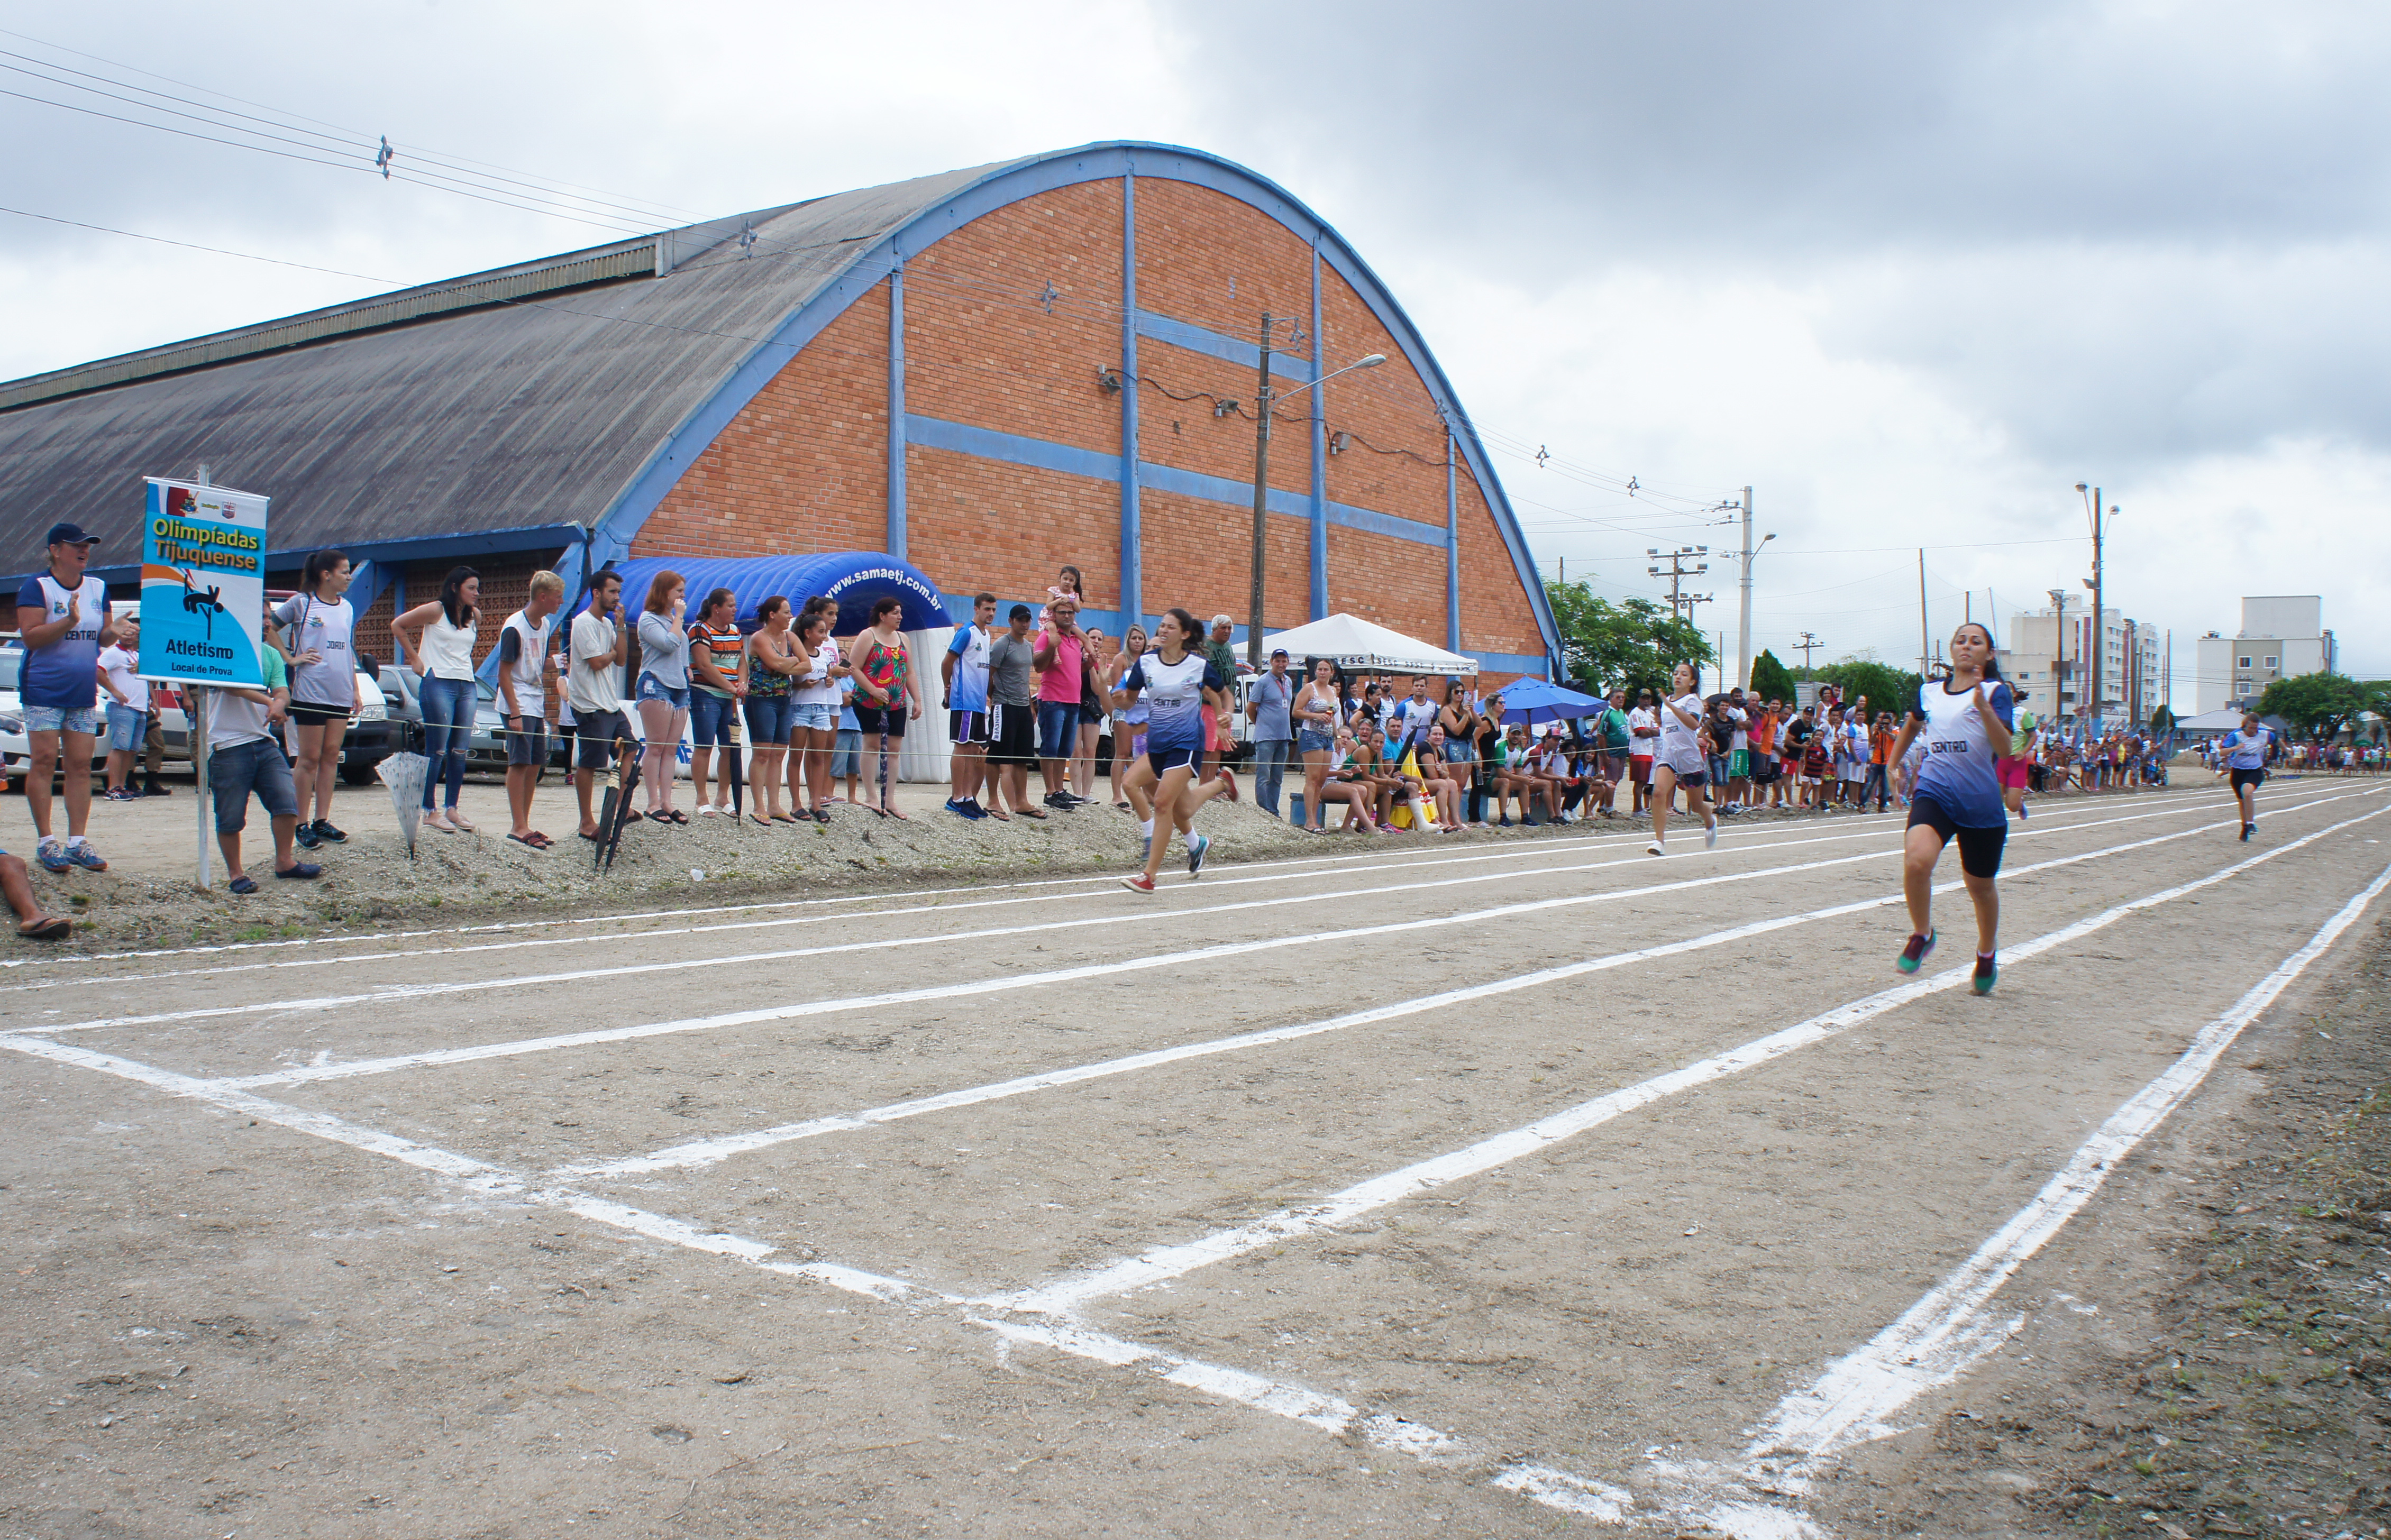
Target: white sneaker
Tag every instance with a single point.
(1656, 848)
(1710, 836)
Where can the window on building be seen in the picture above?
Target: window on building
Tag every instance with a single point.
(2271, 662)
(2242, 663)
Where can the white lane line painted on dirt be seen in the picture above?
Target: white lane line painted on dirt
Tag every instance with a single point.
(1543, 848)
(611, 971)
(1286, 1399)
(1951, 1328)
(705, 1152)
(1331, 867)
(1947, 1331)
(1163, 1264)
(295, 1075)
(1361, 859)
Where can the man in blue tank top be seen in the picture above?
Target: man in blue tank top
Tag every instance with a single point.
(62, 615)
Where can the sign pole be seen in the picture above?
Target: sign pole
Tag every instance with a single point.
(195, 713)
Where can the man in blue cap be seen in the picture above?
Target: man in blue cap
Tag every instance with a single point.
(62, 615)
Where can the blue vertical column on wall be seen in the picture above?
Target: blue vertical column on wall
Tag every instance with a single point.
(1452, 544)
(1319, 452)
(1132, 604)
(896, 411)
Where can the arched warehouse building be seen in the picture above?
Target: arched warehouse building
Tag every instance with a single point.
(988, 373)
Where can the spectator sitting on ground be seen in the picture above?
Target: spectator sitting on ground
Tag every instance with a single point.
(18, 889)
(1437, 776)
(1348, 783)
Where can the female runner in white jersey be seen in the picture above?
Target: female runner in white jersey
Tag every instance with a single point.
(2244, 756)
(1180, 687)
(1965, 723)
(1680, 760)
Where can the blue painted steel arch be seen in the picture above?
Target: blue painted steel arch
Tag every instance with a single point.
(616, 530)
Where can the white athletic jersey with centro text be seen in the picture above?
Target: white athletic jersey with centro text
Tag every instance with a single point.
(1678, 748)
(1959, 771)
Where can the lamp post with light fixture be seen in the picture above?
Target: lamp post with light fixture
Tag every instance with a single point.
(1263, 399)
(2091, 496)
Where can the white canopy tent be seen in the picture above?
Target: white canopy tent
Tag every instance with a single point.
(1356, 644)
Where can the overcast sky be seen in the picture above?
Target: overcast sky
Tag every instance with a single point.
(1911, 271)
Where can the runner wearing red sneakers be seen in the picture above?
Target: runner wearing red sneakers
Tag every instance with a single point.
(1965, 723)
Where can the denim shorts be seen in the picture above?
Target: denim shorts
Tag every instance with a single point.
(1309, 739)
(768, 719)
(815, 716)
(237, 769)
(1058, 728)
(62, 719)
(126, 725)
(847, 754)
(707, 712)
(653, 688)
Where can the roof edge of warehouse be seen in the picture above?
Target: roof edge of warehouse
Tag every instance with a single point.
(634, 257)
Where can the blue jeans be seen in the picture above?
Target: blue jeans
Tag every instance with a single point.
(1270, 770)
(449, 707)
(1059, 729)
(706, 711)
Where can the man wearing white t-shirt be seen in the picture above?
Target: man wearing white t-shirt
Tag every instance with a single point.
(963, 672)
(128, 707)
(601, 645)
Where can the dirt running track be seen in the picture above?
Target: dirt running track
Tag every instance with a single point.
(1399, 1190)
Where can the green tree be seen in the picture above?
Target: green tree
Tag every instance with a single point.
(2162, 721)
(1635, 642)
(2317, 705)
(1770, 679)
(1887, 688)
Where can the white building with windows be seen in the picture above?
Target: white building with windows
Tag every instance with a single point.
(2282, 637)
(2133, 665)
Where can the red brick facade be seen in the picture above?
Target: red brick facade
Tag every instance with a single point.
(1010, 322)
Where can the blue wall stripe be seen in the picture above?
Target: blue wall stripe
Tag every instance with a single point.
(1195, 339)
(987, 444)
(1510, 662)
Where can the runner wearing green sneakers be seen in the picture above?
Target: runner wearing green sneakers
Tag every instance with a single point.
(1965, 723)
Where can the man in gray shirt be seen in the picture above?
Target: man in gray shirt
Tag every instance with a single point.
(1269, 705)
(1012, 720)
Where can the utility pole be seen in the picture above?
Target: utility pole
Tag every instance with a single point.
(1808, 643)
(2099, 635)
(1678, 571)
(2059, 653)
(1925, 657)
(1693, 599)
(1743, 622)
(1261, 501)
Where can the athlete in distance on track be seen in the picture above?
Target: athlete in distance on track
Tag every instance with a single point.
(1680, 762)
(1965, 722)
(2244, 753)
(1181, 685)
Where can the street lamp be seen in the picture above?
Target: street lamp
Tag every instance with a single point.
(2059, 654)
(1263, 399)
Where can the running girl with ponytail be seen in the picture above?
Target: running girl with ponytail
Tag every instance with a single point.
(1181, 687)
(1681, 762)
(1964, 721)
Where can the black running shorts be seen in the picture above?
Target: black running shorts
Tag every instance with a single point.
(2248, 777)
(1980, 849)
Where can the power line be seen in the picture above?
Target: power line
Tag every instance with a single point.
(287, 118)
(193, 246)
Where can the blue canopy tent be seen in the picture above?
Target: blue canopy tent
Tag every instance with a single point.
(856, 579)
(1533, 701)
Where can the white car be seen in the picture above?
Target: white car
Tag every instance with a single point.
(15, 749)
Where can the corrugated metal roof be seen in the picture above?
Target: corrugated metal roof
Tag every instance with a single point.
(521, 413)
